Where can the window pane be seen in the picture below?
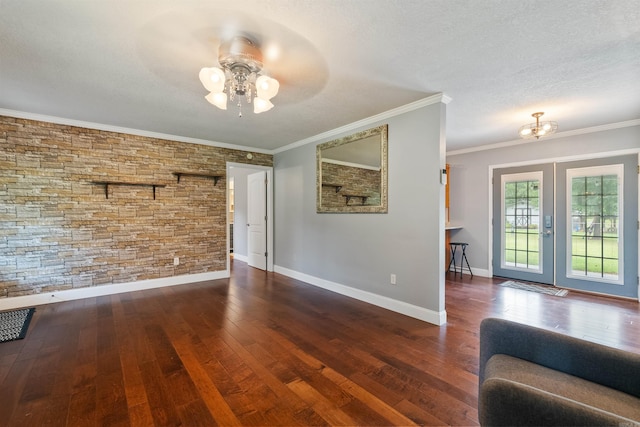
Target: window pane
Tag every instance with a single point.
(510, 257)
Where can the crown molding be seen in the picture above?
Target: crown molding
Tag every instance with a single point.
(438, 98)
(566, 134)
(125, 130)
(434, 99)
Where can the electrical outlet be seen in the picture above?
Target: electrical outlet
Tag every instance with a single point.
(176, 260)
(393, 279)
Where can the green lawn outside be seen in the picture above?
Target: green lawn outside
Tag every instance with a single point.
(584, 250)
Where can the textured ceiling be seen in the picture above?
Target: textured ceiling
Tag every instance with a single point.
(134, 64)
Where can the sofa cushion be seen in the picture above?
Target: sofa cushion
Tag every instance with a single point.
(518, 392)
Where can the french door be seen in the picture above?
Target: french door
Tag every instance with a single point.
(598, 200)
(523, 223)
(592, 242)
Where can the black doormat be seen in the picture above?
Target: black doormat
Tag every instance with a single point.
(14, 324)
(541, 289)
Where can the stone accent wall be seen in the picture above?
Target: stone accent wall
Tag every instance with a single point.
(58, 230)
(354, 181)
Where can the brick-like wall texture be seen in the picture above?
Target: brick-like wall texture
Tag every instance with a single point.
(354, 181)
(58, 230)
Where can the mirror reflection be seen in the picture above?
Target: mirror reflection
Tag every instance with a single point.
(352, 173)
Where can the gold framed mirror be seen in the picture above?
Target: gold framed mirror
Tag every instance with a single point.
(351, 173)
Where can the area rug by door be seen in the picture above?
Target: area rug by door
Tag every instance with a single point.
(541, 289)
(14, 324)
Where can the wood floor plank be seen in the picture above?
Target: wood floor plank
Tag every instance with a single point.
(13, 386)
(6, 362)
(111, 401)
(322, 406)
(218, 407)
(196, 413)
(261, 369)
(140, 416)
(132, 378)
(82, 409)
(368, 401)
(162, 408)
(419, 415)
(263, 349)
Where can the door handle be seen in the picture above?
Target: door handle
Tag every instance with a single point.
(546, 233)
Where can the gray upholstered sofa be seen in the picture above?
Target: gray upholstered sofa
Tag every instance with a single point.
(530, 376)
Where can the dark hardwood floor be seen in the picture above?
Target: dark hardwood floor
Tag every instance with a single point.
(263, 349)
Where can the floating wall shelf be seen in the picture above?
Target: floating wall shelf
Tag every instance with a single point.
(355, 196)
(338, 187)
(215, 178)
(137, 184)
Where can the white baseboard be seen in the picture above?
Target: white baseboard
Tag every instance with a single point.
(430, 316)
(239, 257)
(478, 272)
(96, 291)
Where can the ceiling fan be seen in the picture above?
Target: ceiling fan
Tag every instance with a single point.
(240, 75)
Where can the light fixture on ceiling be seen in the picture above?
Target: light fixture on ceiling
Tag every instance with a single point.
(538, 128)
(239, 76)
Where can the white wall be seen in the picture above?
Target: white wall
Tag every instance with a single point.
(355, 253)
(469, 190)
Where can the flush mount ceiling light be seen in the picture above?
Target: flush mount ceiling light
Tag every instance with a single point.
(239, 76)
(538, 128)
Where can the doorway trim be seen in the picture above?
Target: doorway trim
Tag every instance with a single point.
(270, 210)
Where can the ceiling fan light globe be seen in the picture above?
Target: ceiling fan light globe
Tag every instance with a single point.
(212, 79)
(261, 105)
(266, 87)
(218, 99)
(525, 132)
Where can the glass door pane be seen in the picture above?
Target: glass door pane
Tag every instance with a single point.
(521, 226)
(596, 246)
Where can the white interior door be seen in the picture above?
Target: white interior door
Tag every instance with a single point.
(257, 220)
